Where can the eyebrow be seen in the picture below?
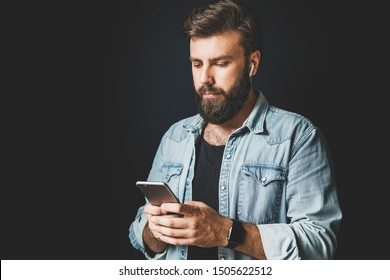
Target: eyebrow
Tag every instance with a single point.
(222, 57)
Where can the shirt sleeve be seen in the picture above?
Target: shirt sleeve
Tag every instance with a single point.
(313, 210)
(135, 235)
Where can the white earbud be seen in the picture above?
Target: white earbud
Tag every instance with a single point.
(250, 71)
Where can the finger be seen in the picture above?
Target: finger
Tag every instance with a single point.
(173, 222)
(177, 241)
(195, 203)
(148, 216)
(183, 209)
(170, 221)
(174, 232)
(154, 230)
(171, 207)
(153, 210)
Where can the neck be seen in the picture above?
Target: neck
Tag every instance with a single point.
(217, 134)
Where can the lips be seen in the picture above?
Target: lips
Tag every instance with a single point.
(210, 94)
(209, 91)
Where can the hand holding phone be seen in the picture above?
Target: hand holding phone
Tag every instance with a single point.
(157, 193)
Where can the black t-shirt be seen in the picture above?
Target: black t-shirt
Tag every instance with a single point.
(205, 189)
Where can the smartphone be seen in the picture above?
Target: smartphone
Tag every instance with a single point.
(156, 192)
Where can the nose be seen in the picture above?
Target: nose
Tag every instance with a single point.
(206, 76)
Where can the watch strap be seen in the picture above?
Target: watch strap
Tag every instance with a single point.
(236, 234)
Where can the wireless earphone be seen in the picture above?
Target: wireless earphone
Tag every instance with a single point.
(252, 67)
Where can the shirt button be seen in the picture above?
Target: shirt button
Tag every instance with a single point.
(228, 155)
(263, 179)
(223, 188)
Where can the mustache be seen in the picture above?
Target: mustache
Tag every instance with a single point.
(210, 89)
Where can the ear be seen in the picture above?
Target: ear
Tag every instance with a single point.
(254, 59)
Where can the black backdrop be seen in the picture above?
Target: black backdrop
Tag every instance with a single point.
(92, 86)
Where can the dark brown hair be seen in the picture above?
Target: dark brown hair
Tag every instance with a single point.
(226, 15)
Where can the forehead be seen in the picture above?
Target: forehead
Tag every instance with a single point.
(225, 44)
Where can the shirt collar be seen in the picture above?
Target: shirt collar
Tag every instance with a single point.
(256, 119)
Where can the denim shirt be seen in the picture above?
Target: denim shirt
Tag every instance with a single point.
(276, 173)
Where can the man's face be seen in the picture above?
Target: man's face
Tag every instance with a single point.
(221, 76)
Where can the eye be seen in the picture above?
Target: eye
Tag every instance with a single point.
(196, 64)
(222, 64)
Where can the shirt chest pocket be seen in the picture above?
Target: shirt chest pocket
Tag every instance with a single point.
(260, 192)
(171, 173)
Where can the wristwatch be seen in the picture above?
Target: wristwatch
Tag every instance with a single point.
(236, 234)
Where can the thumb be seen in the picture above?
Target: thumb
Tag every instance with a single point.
(194, 203)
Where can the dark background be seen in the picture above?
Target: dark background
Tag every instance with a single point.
(90, 87)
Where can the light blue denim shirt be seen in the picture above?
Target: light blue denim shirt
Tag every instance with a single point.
(276, 173)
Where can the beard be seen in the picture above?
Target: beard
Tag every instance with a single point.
(216, 111)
